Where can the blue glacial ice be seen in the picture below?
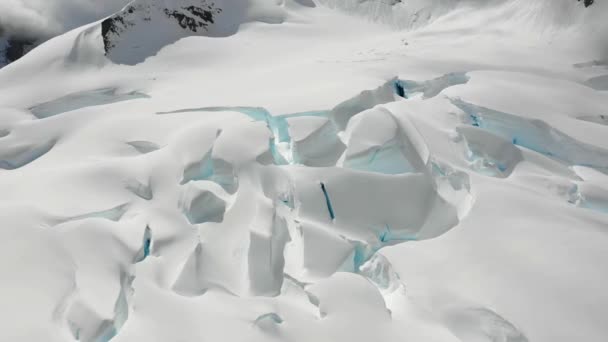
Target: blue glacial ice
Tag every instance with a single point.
(387, 159)
(330, 208)
(535, 135)
(146, 245)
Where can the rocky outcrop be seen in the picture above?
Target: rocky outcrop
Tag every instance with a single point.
(148, 25)
(11, 49)
(587, 2)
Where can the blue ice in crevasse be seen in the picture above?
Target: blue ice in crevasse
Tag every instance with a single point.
(146, 247)
(277, 124)
(217, 171)
(330, 209)
(535, 135)
(475, 121)
(399, 90)
(387, 159)
(107, 335)
(364, 251)
(202, 170)
(111, 328)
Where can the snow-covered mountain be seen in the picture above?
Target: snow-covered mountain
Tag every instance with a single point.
(145, 26)
(298, 170)
(25, 24)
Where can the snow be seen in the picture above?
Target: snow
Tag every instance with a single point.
(294, 170)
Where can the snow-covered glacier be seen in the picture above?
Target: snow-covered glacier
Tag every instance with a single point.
(309, 170)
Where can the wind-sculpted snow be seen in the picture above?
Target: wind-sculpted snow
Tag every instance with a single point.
(291, 198)
(276, 171)
(263, 213)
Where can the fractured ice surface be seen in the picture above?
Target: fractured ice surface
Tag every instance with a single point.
(15, 155)
(432, 88)
(330, 208)
(325, 218)
(590, 196)
(314, 141)
(202, 206)
(355, 229)
(367, 99)
(103, 273)
(146, 245)
(388, 148)
(489, 153)
(307, 138)
(317, 251)
(535, 135)
(379, 270)
(267, 239)
(84, 99)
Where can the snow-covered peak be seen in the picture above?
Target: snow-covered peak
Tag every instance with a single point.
(145, 26)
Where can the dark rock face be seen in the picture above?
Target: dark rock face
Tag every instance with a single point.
(587, 2)
(199, 17)
(17, 48)
(14, 48)
(193, 18)
(112, 26)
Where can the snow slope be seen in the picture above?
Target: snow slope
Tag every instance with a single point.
(309, 171)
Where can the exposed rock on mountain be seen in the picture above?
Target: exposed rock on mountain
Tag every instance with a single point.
(139, 15)
(13, 48)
